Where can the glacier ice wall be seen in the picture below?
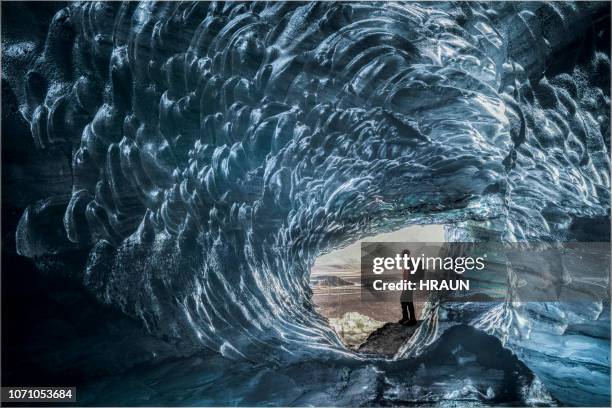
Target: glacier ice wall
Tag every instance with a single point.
(218, 148)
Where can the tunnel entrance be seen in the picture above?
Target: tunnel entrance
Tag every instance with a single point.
(336, 283)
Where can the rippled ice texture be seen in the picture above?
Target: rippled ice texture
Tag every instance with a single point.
(218, 148)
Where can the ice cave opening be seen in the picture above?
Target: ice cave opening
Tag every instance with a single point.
(335, 281)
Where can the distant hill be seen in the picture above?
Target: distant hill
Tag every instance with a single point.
(329, 280)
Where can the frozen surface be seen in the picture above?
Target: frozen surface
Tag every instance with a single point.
(354, 328)
(216, 149)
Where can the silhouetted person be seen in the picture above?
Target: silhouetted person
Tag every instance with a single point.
(408, 313)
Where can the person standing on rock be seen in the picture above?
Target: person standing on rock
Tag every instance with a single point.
(406, 299)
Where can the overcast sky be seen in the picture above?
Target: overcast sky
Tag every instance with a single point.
(349, 257)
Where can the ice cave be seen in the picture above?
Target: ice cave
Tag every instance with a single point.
(171, 171)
